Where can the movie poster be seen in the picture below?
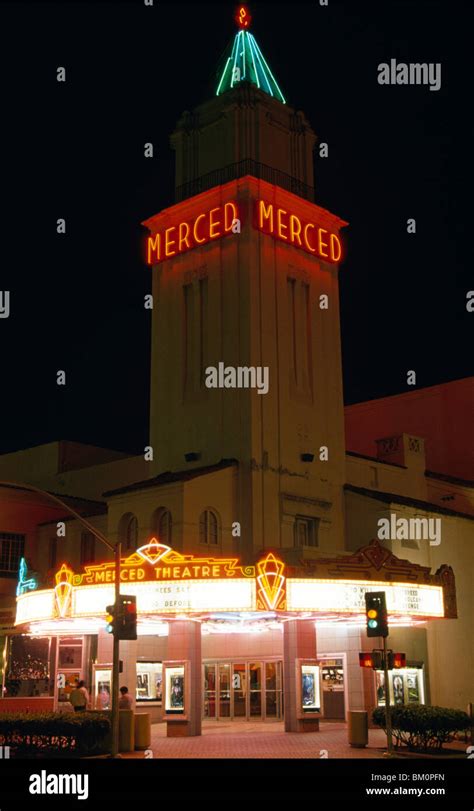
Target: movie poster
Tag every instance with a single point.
(413, 688)
(310, 687)
(398, 688)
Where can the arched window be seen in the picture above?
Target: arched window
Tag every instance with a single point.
(209, 528)
(163, 525)
(131, 539)
(128, 532)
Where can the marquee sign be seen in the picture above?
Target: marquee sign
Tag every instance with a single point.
(348, 597)
(168, 583)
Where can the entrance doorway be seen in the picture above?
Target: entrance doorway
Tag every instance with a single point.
(246, 690)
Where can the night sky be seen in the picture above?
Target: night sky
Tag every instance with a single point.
(75, 150)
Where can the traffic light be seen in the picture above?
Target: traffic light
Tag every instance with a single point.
(376, 613)
(110, 619)
(128, 616)
(374, 659)
(399, 660)
(366, 660)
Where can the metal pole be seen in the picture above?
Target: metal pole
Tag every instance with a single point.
(388, 720)
(116, 657)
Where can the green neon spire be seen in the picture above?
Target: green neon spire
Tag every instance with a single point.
(246, 63)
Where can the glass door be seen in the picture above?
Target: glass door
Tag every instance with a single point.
(210, 691)
(239, 688)
(273, 699)
(255, 682)
(243, 690)
(224, 691)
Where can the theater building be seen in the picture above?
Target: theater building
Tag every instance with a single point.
(252, 531)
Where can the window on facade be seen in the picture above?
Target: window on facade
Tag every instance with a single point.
(189, 338)
(165, 527)
(12, 549)
(208, 528)
(87, 548)
(203, 329)
(131, 534)
(292, 331)
(30, 666)
(306, 531)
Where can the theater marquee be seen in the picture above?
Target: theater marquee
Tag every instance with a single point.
(167, 583)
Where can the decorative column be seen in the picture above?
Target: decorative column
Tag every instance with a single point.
(183, 672)
(299, 655)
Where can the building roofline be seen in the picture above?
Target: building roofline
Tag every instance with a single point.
(375, 459)
(64, 496)
(170, 478)
(445, 477)
(389, 498)
(409, 394)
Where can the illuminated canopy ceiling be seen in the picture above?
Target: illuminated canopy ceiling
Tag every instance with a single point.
(168, 585)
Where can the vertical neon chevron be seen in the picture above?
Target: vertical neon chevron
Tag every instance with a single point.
(246, 63)
(271, 581)
(63, 589)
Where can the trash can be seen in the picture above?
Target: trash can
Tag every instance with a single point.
(126, 731)
(142, 730)
(358, 728)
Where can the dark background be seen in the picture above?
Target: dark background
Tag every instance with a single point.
(75, 150)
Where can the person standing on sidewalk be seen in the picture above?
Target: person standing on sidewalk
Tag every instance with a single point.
(79, 697)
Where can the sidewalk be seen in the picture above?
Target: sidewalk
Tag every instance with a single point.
(241, 739)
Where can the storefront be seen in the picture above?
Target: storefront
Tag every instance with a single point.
(216, 640)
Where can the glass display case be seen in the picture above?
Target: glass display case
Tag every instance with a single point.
(406, 686)
(310, 691)
(175, 689)
(149, 682)
(103, 687)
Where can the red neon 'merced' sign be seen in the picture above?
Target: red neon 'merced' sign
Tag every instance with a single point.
(224, 220)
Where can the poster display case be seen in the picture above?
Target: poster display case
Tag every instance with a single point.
(406, 686)
(102, 681)
(149, 685)
(176, 684)
(308, 694)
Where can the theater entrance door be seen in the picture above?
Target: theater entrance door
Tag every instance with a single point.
(246, 690)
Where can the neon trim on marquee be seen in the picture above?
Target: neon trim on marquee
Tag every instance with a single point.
(167, 582)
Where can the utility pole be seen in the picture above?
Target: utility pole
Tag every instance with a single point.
(117, 550)
(388, 719)
(116, 656)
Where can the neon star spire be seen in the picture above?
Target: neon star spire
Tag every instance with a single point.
(246, 63)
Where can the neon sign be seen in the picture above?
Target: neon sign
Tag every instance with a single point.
(25, 583)
(167, 583)
(271, 582)
(288, 227)
(243, 17)
(188, 234)
(223, 220)
(156, 561)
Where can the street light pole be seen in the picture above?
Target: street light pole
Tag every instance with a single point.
(116, 657)
(388, 718)
(117, 550)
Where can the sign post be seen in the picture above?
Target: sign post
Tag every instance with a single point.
(388, 718)
(116, 656)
